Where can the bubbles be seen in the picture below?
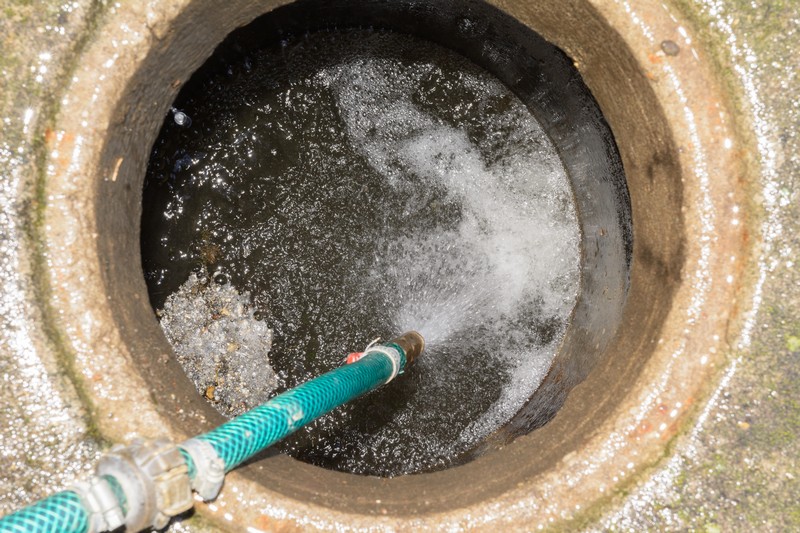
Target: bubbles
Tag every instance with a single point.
(180, 118)
(221, 346)
(378, 185)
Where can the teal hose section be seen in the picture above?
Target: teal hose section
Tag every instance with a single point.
(62, 512)
(244, 436)
(192, 469)
(235, 441)
(119, 493)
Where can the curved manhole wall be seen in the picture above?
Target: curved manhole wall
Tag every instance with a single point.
(545, 82)
(645, 146)
(645, 120)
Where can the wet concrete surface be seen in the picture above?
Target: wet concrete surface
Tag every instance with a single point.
(738, 469)
(735, 470)
(45, 439)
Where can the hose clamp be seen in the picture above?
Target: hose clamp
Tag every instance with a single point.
(209, 468)
(98, 498)
(394, 356)
(154, 479)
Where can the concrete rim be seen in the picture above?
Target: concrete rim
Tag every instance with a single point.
(680, 351)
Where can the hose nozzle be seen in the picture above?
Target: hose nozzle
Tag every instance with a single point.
(412, 344)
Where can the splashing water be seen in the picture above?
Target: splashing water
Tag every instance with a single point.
(378, 185)
(470, 285)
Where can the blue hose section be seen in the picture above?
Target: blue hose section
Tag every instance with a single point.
(62, 512)
(247, 434)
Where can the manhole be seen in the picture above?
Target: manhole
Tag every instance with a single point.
(629, 377)
(354, 182)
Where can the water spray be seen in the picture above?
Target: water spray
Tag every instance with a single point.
(146, 483)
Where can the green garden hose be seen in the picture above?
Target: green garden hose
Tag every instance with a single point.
(146, 483)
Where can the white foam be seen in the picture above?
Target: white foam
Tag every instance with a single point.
(516, 247)
(220, 345)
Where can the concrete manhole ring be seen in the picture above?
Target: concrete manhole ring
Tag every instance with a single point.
(688, 189)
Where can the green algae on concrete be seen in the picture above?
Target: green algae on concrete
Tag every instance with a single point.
(793, 343)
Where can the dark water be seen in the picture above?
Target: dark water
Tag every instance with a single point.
(357, 184)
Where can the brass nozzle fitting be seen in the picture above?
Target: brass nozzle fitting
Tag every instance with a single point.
(412, 344)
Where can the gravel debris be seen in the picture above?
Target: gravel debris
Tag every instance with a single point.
(219, 343)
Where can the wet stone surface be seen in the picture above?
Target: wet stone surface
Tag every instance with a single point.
(45, 439)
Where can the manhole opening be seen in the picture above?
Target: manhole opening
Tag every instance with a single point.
(331, 175)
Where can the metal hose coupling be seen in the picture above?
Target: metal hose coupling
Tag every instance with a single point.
(401, 351)
(412, 344)
(151, 482)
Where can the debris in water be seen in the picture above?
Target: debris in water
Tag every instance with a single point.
(219, 343)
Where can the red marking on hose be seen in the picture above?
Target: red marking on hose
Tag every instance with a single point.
(353, 357)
